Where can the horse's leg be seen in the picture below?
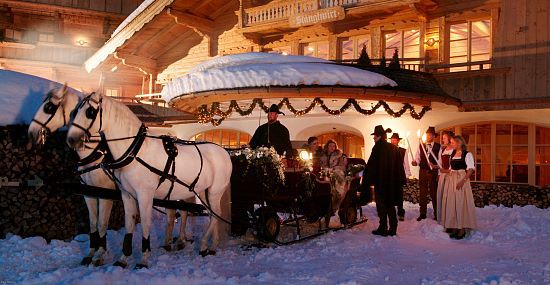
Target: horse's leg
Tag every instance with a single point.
(180, 243)
(145, 211)
(130, 215)
(203, 250)
(215, 199)
(91, 204)
(170, 217)
(105, 207)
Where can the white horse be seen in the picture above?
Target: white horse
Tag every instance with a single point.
(53, 114)
(205, 167)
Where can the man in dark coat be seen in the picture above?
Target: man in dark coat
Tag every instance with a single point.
(405, 173)
(384, 172)
(272, 133)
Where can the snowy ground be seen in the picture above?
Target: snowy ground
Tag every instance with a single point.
(512, 246)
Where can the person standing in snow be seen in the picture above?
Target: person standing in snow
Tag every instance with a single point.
(444, 176)
(458, 212)
(428, 172)
(406, 172)
(272, 133)
(384, 171)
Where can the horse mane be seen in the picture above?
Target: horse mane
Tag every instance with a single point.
(119, 113)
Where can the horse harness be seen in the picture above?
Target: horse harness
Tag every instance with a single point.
(50, 109)
(91, 113)
(168, 173)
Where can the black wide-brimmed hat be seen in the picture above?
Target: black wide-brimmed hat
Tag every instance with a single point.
(275, 108)
(395, 136)
(380, 131)
(431, 130)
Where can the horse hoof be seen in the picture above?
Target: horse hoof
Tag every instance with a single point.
(167, 247)
(86, 261)
(180, 246)
(206, 252)
(98, 262)
(140, 266)
(120, 264)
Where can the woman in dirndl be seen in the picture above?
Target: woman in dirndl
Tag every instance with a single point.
(458, 213)
(445, 162)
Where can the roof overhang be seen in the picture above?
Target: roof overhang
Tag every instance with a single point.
(126, 32)
(191, 102)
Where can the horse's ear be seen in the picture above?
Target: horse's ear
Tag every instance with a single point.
(65, 88)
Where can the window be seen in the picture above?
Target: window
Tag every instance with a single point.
(406, 42)
(285, 50)
(542, 156)
(317, 49)
(503, 149)
(112, 92)
(511, 153)
(470, 42)
(46, 38)
(350, 49)
(13, 35)
(225, 138)
(478, 139)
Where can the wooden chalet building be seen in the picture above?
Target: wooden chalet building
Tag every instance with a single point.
(492, 56)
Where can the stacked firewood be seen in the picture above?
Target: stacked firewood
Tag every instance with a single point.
(494, 194)
(50, 210)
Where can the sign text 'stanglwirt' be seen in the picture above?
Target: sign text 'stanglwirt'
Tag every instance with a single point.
(317, 17)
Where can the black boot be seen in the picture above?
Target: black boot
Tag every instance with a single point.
(380, 232)
(392, 232)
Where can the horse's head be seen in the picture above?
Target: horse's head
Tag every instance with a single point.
(52, 114)
(87, 122)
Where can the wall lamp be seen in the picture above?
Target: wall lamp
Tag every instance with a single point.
(81, 42)
(431, 42)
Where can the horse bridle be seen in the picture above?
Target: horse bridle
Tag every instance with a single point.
(50, 109)
(91, 113)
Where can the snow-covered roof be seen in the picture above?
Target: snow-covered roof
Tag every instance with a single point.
(258, 69)
(21, 95)
(132, 16)
(132, 24)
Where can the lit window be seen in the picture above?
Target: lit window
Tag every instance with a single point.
(317, 49)
(285, 50)
(542, 156)
(407, 44)
(225, 138)
(470, 42)
(14, 35)
(48, 38)
(112, 92)
(351, 49)
(509, 163)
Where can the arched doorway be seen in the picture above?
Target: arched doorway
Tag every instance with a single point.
(351, 144)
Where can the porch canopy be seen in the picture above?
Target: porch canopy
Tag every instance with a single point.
(217, 87)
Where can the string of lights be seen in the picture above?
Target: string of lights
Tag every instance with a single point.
(208, 114)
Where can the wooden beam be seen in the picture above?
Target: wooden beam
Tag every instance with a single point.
(200, 25)
(174, 43)
(222, 9)
(157, 36)
(145, 65)
(202, 5)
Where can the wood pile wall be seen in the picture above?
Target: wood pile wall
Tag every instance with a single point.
(51, 211)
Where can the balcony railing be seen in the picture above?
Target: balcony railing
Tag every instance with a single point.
(416, 64)
(283, 9)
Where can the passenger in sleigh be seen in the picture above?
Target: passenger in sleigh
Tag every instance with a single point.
(333, 166)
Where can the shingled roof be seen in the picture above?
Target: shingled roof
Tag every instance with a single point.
(413, 81)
